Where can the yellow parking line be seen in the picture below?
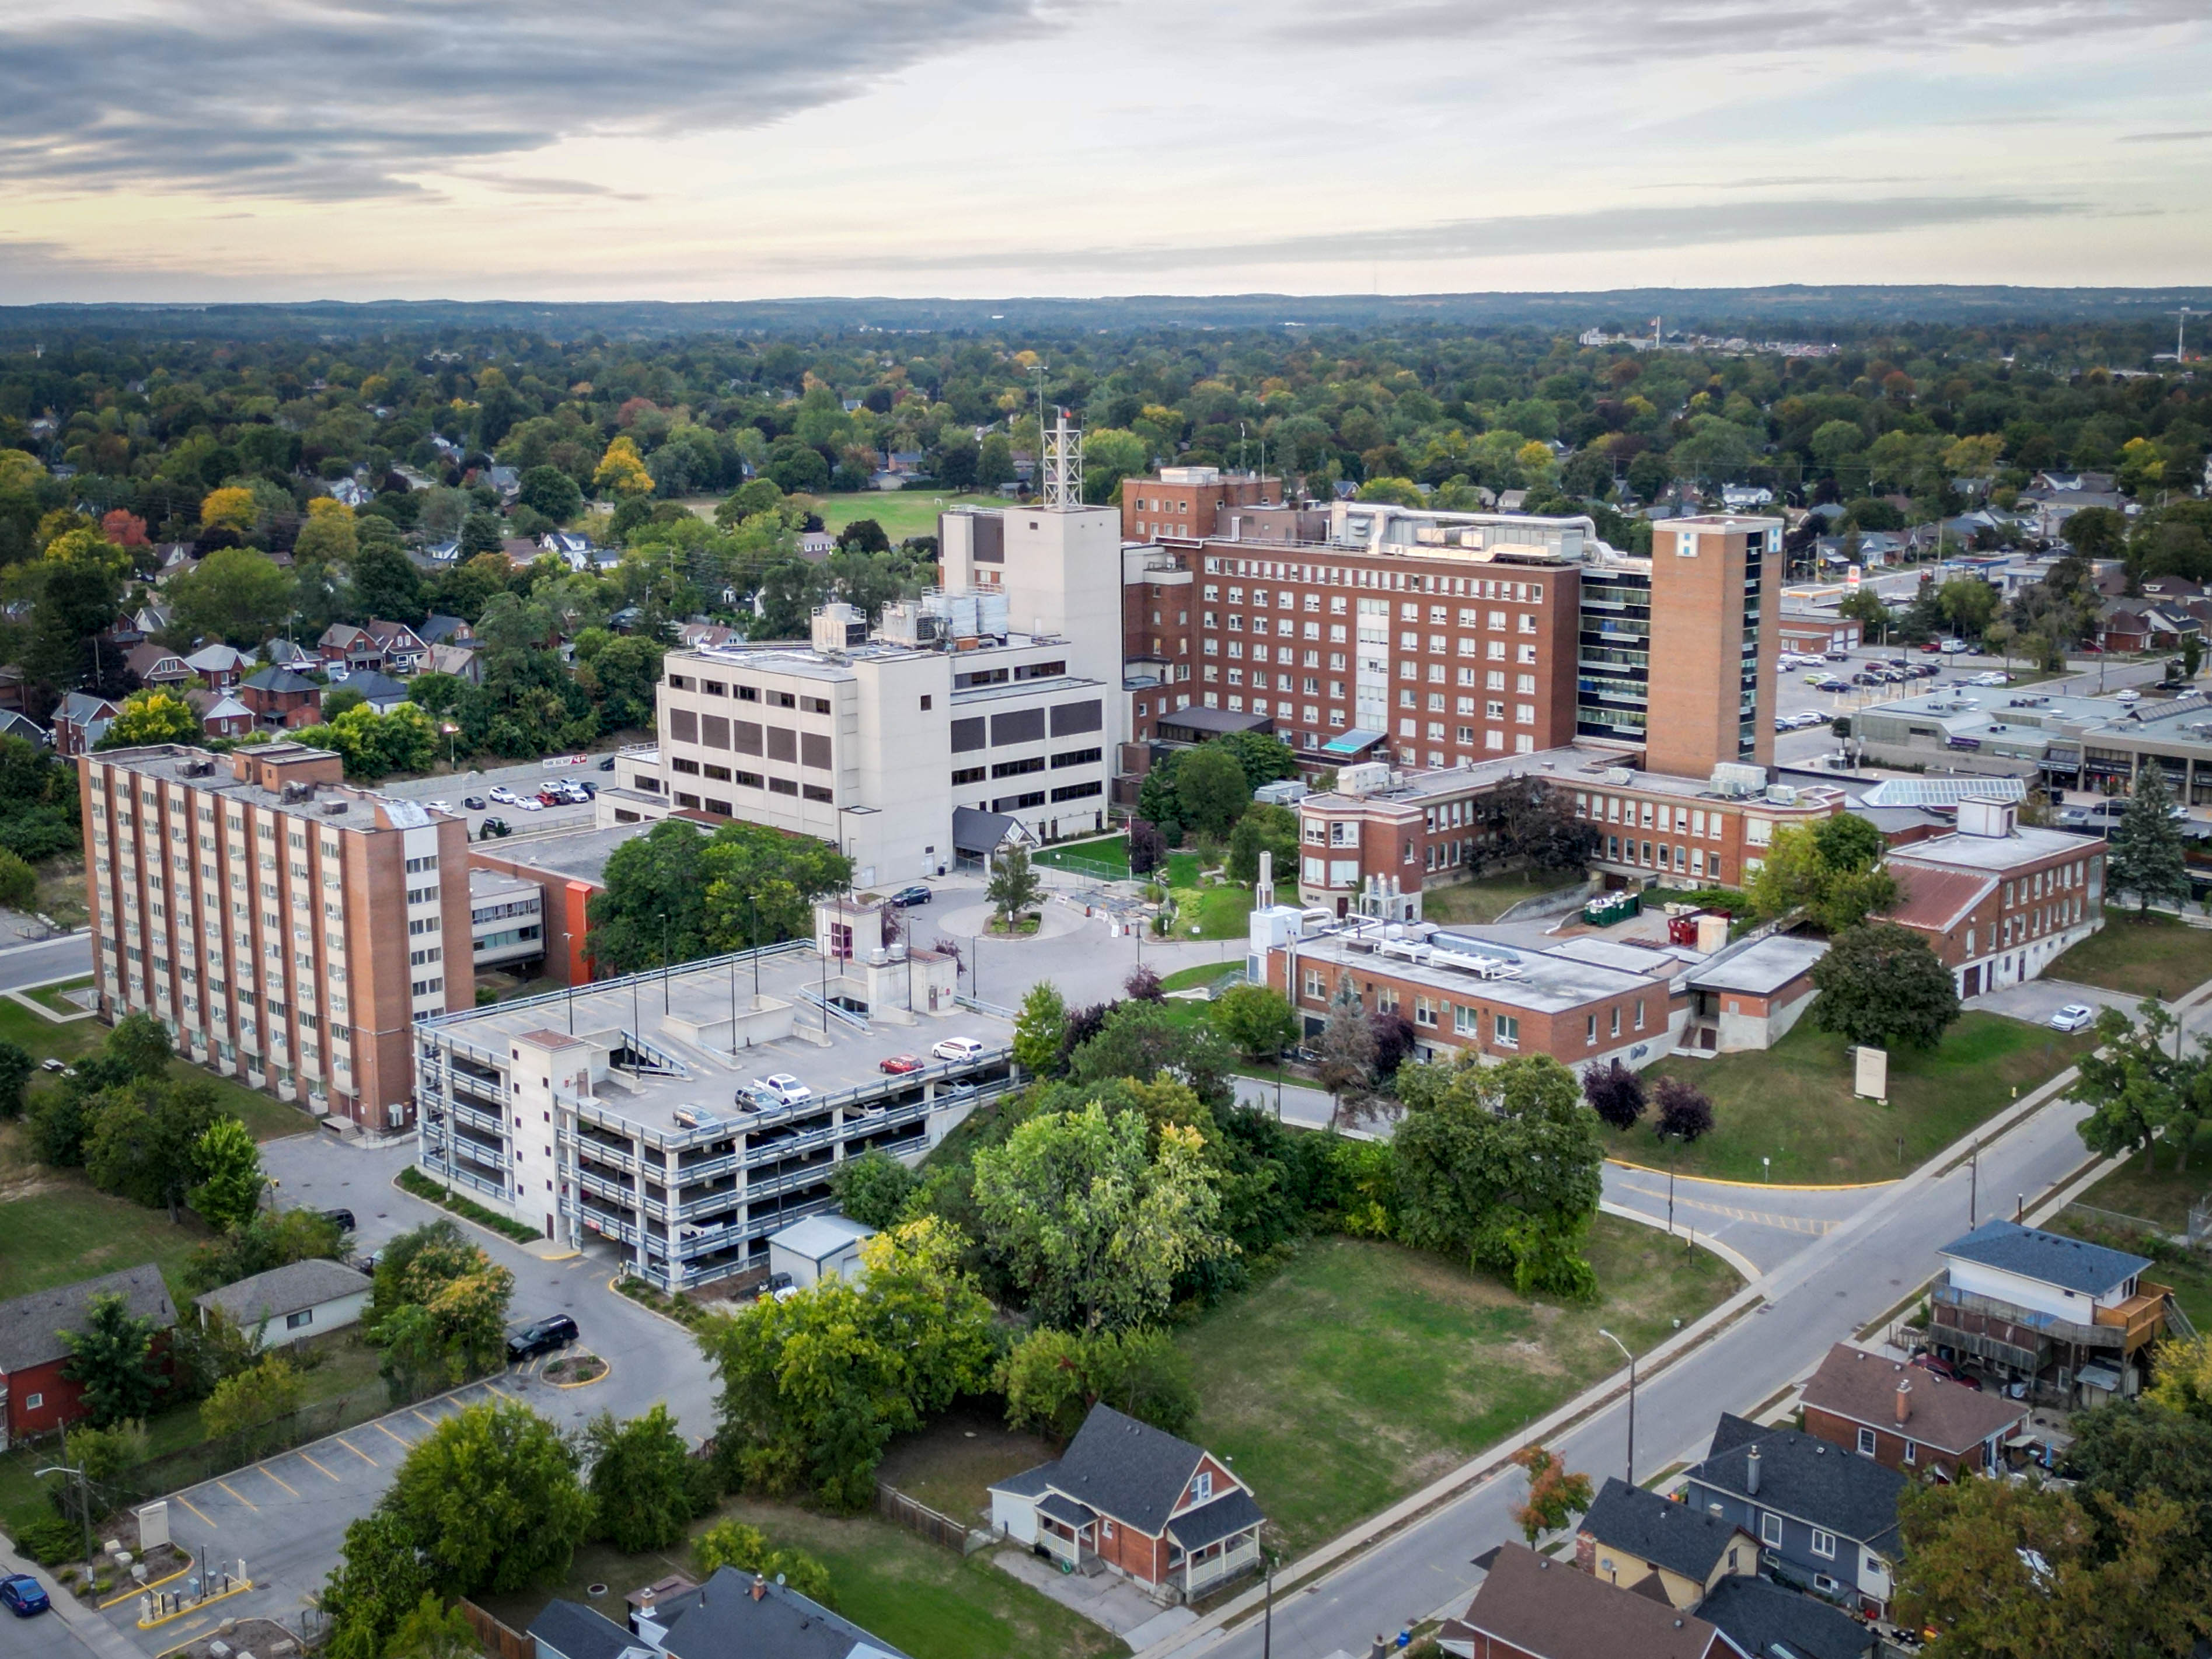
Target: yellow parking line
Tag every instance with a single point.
(431, 1421)
(357, 1451)
(392, 1438)
(277, 1477)
(316, 1468)
(194, 1508)
(240, 1496)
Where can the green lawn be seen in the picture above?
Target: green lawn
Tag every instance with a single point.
(2150, 1186)
(1189, 979)
(55, 997)
(1218, 912)
(1488, 898)
(1107, 856)
(57, 1230)
(1361, 1372)
(1794, 1104)
(903, 513)
(2158, 956)
(950, 1465)
(921, 1597)
(1182, 869)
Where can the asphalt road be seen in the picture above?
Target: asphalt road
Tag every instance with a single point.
(66, 958)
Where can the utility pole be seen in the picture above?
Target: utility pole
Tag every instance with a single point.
(1631, 1358)
(1973, 1187)
(84, 1503)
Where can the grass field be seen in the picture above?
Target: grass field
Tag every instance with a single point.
(950, 1465)
(1220, 912)
(1489, 896)
(1794, 1104)
(921, 1597)
(2158, 956)
(1107, 857)
(54, 996)
(903, 513)
(58, 1230)
(1189, 979)
(1361, 1370)
(2149, 1185)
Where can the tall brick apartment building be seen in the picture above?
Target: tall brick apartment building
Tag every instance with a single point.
(277, 922)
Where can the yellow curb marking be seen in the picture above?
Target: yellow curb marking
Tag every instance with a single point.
(357, 1452)
(316, 1468)
(606, 1370)
(238, 1588)
(240, 1496)
(156, 1584)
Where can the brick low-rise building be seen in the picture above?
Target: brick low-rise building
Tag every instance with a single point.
(1999, 902)
(1906, 1417)
(35, 1397)
(276, 921)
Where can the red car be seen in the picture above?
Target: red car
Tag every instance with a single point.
(1947, 1370)
(898, 1064)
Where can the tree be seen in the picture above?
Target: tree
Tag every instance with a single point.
(141, 1044)
(741, 1548)
(1555, 1496)
(2183, 1380)
(621, 470)
(1039, 1030)
(1090, 1226)
(432, 1630)
(229, 508)
(1797, 876)
(1615, 1093)
(873, 1188)
(17, 1068)
(19, 883)
(1864, 606)
(1258, 1023)
(2145, 856)
(71, 592)
(1501, 1163)
(1147, 850)
(814, 1386)
(251, 1402)
(1052, 1378)
(266, 1239)
(1143, 985)
(1264, 829)
(549, 491)
(111, 1359)
(151, 716)
(141, 1141)
(328, 538)
(1265, 758)
(1528, 819)
(2133, 1079)
(229, 1167)
(1684, 1110)
(2001, 1571)
(1347, 1044)
(491, 1499)
(381, 1577)
(236, 593)
(1014, 888)
(2130, 1447)
(1211, 790)
(642, 1487)
(385, 584)
(676, 891)
(1880, 984)
(1143, 1042)
(438, 1310)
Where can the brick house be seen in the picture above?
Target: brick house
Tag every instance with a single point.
(1127, 1496)
(1531, 1607)
(81, 720)
(1906, 1417)
(404, 650)
(282, 700)
(343, 645)
(1996, 902)
(220, 665)
(221, 714)
(35, 1398)
(156, 666)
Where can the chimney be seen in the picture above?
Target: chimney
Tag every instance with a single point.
(1717, 1511)
(760, 1587)
(1903, 1400)
(1751, 1472)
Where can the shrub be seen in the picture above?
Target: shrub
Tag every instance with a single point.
(44, 1536)
(1684, 1110)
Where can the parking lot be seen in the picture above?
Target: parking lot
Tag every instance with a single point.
(455, 789)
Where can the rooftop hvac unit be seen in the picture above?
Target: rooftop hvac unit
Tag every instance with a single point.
(1782, 795)
(1363, 779)
(992, 615)
(296, 791)
(1734, 780)
(1618, 774)
(196, 768)
(333, 808)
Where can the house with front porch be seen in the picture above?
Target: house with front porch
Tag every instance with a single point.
(1129, 1498)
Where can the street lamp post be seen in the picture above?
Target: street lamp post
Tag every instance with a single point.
(84, 1502)
(1631, 1358)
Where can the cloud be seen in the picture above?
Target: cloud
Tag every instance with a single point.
(1612, 231)
(333, 99)
(1626, 30)
(2167, 137)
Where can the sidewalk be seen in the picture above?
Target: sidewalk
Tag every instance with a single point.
(95, 1635)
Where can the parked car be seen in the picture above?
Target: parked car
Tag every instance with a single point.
(504, 796)
(343, 1217)
(1930, 646)
(474, 803)
(608, 764)
(2073, 1017)
(1938, 1366)
(23, 1596)
(438, 805)
(1955, 645)
(962, 1048)
(554, 1331)
(899, 1064)
(530, 803)
(783, 1088)
(907, 897)
(492, 828)
(1836, 656)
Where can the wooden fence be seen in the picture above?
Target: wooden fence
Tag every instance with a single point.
(932, 1524)
(498, 1640)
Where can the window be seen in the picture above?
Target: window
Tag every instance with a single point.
(294, 1322)
(32, 1401)
(1866, 1443)
(1912, 1452)
(1824, 1543)
(969, 774)
(1506, 1030)
(1202, 1487)
(1770, 1530)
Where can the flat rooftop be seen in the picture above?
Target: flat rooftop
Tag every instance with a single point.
(341, 806)
(1541, 981)
(578, 855)
(701, 994)
(1986, 854)
(1572, 766)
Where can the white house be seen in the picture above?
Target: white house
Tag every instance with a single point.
(293, 1302)
(820, 1247)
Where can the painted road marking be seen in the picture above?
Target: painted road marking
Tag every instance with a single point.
(277, 1477)
(240, 1496)
(316, 1468)
(394, 1438)
(194, 1508)
(357, 1451)
(431, 1421)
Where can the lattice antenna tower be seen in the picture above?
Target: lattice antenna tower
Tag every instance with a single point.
(1063, 464)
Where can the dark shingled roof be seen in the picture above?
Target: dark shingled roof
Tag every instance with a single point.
(569, 1630)
(285, 1290)
(978, 832)
(2051, 1258)
(1676, 1536)
(31, 1326)
(1947, 1417)
(1540, 1606)
(1226, 1515)
(721, 1620)
(1127, 1469)
(1816, 1482)
(1770, 1622)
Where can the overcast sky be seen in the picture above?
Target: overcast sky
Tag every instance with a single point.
(185, 150)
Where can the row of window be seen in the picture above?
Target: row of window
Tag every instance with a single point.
(773, 699)
(1468, 587)
(1692, 820)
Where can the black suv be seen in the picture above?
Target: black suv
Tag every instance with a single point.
(343, 1217)
(557, 1330)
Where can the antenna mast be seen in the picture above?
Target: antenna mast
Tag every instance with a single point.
(1063, 464)
(2181, 322)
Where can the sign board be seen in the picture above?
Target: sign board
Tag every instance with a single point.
(553, 761)
(1851, 578)
(153, 1525)
(1871, 1078)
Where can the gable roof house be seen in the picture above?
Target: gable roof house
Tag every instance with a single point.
(444, 630)
(290, 654)
(221, 714)
(156, 665)
(1906, 1417)
(220, 665)
(346, 646)
(80, 720)
(733, 1615)
(2069, 1318)
(1637, 1541)
(15, 724)
(463, 662)
(1137, 1501)
(35, 1397)
(1826, 1521)
(404, 648)
(292, 1303)
(380, 692)
(1769, 1622)
(282, 700)
(1531, 1607)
